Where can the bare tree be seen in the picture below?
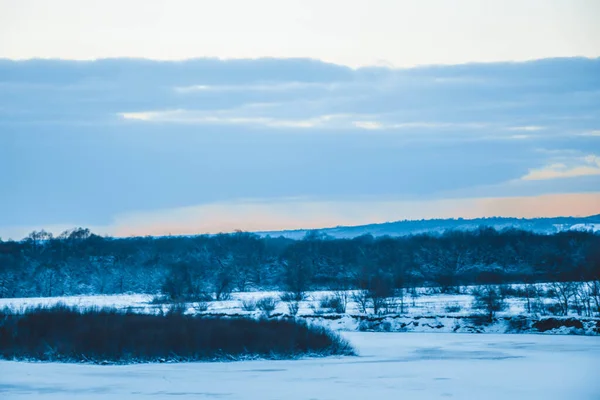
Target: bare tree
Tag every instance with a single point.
(223, 281)
(488, 298)
(342, 297)
(594, 294)
(530, 292)
(562, 293)
(361, 298)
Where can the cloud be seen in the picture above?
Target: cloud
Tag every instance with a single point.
(230, 118)
(241, 116)
(417, 125)
(165, 134)
(258, 87)
(370, 125)
(528, 128)
(582, 166)
(497, 96)
(595, 132)
(438, 125)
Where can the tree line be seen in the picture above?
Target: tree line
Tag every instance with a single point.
(213, 266)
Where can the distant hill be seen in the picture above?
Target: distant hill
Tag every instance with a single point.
(403, 228)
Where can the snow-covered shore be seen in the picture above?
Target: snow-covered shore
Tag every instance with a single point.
(425, 313)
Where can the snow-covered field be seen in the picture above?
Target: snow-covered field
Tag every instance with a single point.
(389, 366)
(423, 304)
(424, 313)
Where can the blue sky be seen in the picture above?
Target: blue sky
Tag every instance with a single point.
(137, 146)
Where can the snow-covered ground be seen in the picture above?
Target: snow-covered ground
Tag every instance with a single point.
(421, 305)
(423, 313)
(585, 227)
(389, 366)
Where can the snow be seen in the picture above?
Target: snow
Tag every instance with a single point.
(120, 301)
(458, 324)
(585, 227)
(422, 305)
(424, 313)
(389, 366)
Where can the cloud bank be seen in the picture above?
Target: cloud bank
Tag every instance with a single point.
(85, 142)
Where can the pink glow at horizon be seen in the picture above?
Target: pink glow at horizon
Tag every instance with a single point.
(296, 214)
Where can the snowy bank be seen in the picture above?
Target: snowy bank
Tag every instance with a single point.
(460, 324)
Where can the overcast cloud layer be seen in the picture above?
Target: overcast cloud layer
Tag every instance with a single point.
(99, 143)
(397, 33)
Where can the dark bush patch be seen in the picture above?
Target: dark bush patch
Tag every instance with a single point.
(333, 304)
(64, 334)
(518, 324)
(547, 324)
(554, 309)
(324, 316)
(479, 320)
(249, 305)
(166, 299)
(201, 306)
(267, 305)
(289, 297)
(453, 308)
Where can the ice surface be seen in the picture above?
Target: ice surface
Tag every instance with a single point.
(390, 366)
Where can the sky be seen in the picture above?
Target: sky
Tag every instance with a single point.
(135, 118)
(396, 33)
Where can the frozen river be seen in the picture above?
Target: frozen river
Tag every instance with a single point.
(390, 366)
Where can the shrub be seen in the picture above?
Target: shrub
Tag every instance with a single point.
(334, 304)
(288, 297)
(365, 326)
(201, 306)
(160, 299)
(166, 299)
(293, 307)
(292, 301)
(518, 324)
(509, 291)
(547, 324)
(248, 305)
(316, 310)
(453, 308)
(479, 320)
(65, 334)
(177, 308)
(386, 326)
(267, 304)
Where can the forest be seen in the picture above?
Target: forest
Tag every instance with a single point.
(213, 266)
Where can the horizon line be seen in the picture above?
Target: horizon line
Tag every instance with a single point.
(258, 232)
